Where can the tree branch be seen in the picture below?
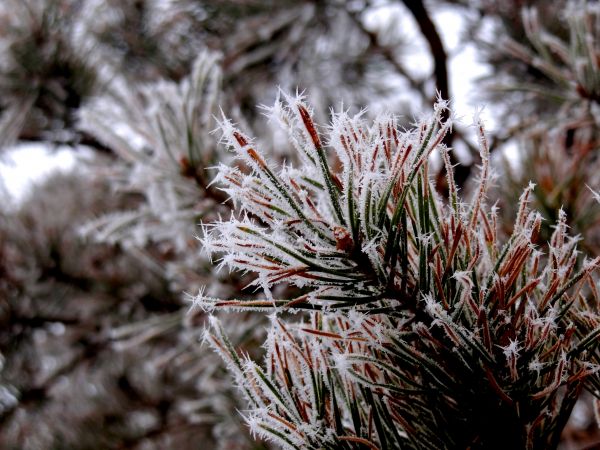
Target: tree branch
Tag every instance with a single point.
(440, 72)
(430, 33)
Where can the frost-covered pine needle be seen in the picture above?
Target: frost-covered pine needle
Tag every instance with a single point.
(422, 329)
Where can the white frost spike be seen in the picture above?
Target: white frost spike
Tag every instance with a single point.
(523, 206)
(368, 236)
(511, 352)
(484, 176)
(595, 194)
(199, 302)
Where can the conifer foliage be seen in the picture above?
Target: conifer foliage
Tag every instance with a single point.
(403, 302)
(422, 329)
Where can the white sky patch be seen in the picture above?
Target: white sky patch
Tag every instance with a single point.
(397, 30)
(464, 71)
(28, 163)
(464, 68)
(397, 25)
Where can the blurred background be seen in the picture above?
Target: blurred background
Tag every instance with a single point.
(106, 114)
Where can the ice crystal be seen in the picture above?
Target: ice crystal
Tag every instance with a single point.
(422, 327)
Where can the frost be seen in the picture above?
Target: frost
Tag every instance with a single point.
(402, 290)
